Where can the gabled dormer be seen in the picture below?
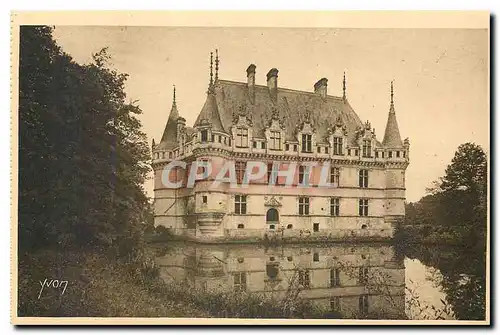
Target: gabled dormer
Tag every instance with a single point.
(241, 130)
(275, 131)
(306, 135)
(338, 137)
(367, 141)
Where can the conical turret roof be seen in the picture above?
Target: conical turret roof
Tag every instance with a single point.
(392, 138)
(210, 113)
(169, 138)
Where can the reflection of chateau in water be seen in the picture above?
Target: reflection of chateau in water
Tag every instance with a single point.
(354, 280)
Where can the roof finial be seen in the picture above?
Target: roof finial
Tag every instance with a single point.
(174, 103)
(392, 92)
(344, 88)
(216, 64)
(211, 69)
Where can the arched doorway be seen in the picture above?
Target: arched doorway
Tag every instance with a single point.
(272, 218)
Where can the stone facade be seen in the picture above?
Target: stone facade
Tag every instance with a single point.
(243, 123)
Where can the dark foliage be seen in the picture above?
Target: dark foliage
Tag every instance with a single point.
(83, 159)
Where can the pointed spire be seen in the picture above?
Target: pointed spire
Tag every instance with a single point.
(174, 103)
(211, 70)
(216, 65)
(392, 138)
(344, 97)
(153, 144)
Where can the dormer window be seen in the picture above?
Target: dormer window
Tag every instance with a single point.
(242, 138)
(307, 143)
(275, 140)
(338, 146)
(204, 135)
(367, 148)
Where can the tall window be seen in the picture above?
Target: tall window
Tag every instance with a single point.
(390, 154)
(334, 277)
(275, 140)
(272, 174)
(334, 206)
(303, 175)
(304, 278)
(240, 281)
(337, 146)
(363, 304)
(363, 178)
(363, 275)
(367, 148)
(241, 137)
(204, 135)
(335, 304)
(335, 176)
(306, 143)
(303, 206)
(363, 207)
(240, 171)
(240, 204)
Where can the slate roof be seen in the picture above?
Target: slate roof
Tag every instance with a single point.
(169, 138)
(292, 107)
(392, 138)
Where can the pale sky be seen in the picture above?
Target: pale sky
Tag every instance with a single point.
(440, 76)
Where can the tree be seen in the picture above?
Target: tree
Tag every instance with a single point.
(82, 155)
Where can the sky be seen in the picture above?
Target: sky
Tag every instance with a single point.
(440, 77)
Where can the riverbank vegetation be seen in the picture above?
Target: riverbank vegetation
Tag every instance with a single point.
(455, 210)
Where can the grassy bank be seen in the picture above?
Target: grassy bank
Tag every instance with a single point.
(100, 285)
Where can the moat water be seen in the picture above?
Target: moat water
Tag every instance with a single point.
(356, 281)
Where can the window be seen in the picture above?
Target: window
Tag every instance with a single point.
(203, 167)
(334, 206)
(397, 154)
(334, 277)
(272, 174)
(240, 204)
(303, 206)
(304, 278)
(316, 257)
(241, 260)
(390, 154)
(316, 227)
(241, 225)
(204, 135)
(363, 304)
(404, 154)
(229, 141)
(271, 226)
(295, 147)
(356, 152)
(241, 137)
(363, 275)
(225, 140)
(240, 168)
(338, 146)
(303, 175)
(213, 138)
(263, 145)
(306, 143)
(275, 140)
(287, 147)
(272, 270)
(363, 207)
(220, 139)
(318, 150)
(367, 148)
(326, 150)
(376, 154)
(348, 152)
(289, 226)
(335, 176)
(363, 178)
(240, 282)
(254, 144)
(335, 304)
(204, 199)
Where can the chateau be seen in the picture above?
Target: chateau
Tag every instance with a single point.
(243, 122)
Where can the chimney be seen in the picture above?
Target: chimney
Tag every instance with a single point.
(251, 82)
(272, 83)
(321, 87)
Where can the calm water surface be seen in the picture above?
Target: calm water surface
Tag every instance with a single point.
(377, 281)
